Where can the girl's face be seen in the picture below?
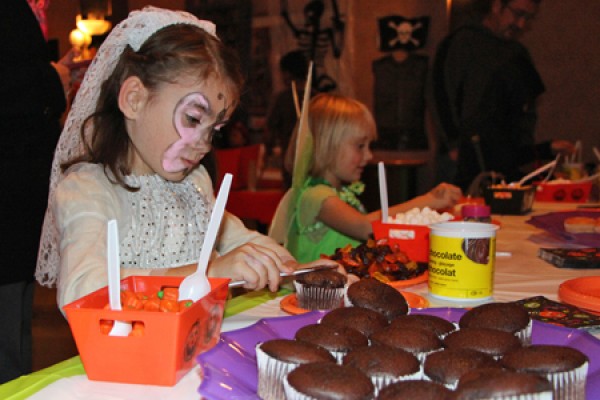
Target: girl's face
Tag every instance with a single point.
(351, 159)
(175, 126)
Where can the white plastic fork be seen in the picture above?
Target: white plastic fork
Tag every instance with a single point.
(196, 285)
(383, 192)
(119, 328)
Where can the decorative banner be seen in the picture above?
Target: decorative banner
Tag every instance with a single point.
(397, 32)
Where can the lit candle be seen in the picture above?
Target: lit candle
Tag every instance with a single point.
(77, 38)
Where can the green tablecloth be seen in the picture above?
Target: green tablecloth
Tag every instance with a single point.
(27, 385)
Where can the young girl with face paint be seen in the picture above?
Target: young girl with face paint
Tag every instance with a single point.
(159, 87)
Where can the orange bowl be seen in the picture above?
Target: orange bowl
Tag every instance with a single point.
(411, 239)
(170, 342)
(583, 292)
(563, 192)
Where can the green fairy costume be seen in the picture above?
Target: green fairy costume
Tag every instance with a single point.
(309, 238)
(295, 222)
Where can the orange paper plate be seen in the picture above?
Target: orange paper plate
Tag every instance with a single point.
(410, 282)
(289, 303)
(581, 292)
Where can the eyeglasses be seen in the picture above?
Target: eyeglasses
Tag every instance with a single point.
(520, 14)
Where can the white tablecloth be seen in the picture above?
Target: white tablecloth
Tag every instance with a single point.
(518, 275)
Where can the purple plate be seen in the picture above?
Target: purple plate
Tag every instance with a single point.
(553, 223)
(229, 368)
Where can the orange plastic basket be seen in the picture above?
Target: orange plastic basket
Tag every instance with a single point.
(563, 192)
(411, 239)
(170, 342)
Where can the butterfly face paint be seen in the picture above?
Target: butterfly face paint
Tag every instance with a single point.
(191, 119)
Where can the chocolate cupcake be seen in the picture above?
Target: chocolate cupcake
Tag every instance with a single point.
(320, 290)
(497, 383)
(375, 295)
(416, 341)
(364, 320)
(338, 340)
(565, 367)
(276, 358)
(384, 365)
(489, 341)
(431, 323)
(447, 366)
(507, 317)
(421, 390)
(327, 381)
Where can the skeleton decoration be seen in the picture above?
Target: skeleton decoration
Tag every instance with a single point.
(316, 40)
(397, 32)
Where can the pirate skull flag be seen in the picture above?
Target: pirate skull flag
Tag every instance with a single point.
(397, 32)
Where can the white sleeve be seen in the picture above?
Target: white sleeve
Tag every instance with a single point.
(85, 202)
(233, 232)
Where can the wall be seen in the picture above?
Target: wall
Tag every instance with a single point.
(562, 43)
(364, 21)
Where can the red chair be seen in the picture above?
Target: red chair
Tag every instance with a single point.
(247, 199)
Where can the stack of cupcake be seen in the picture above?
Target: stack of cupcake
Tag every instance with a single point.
(376, 349)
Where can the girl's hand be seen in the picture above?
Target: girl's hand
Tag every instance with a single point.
(255, 264)
(444, 195)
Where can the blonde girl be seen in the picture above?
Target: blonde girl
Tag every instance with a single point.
(328, 214)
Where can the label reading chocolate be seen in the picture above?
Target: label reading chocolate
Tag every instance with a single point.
(461, 268)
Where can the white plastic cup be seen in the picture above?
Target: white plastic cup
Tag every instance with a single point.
(461, 260)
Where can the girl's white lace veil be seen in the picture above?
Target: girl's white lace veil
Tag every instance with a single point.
(133, 31)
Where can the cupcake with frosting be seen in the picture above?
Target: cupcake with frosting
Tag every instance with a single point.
(502, 384)
(507, 317)
(362, 319)
(276, 358)
(422, 390)
(489, 341)
(565, 367)
(327, 381)
(320, 290)
(432, 323)
(338, 340)
(375, 295)
(419, 342)
(447, 366)
(384, 365)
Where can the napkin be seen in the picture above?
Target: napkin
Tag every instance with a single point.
(543, 309)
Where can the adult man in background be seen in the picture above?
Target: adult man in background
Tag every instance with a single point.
(32, 100)
(485, 88)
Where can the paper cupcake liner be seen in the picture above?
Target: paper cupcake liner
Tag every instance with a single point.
(451, 385)
(422, 355)
(529, 396)
(569, 385)
(443, 335)
(381, 381)
(524, 335)
(270, 375)
(316, 298)
(291, 393)
(339, 355)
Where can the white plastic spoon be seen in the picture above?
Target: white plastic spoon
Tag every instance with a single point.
(534, 173)
(383, 192)
(119, 328)
(196, 285)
